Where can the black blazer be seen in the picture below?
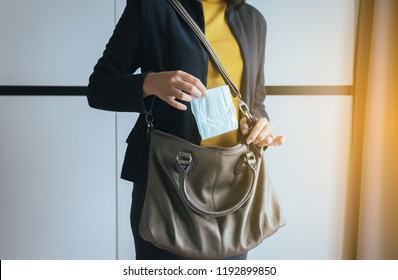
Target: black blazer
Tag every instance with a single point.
(151, 36)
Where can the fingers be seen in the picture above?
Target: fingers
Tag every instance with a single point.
(272, 140)
(262, 133)
(244, 126)
(173, 85)
(190, 84)
(278, 140)
(181, 95)
(172, 102)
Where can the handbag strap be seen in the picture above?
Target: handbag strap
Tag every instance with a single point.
(196, 29)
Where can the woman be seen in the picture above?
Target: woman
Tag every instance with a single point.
(176, 68)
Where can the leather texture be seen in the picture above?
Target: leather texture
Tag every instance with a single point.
(207, 202)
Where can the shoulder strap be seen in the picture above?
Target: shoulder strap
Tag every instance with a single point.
(196, 29)
(192, 24)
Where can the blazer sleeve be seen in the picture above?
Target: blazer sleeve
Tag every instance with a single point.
(260, 93)
(112, 85)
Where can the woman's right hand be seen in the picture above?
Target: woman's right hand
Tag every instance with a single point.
(173, 85)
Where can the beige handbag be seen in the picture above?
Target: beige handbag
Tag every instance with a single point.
(207, 202)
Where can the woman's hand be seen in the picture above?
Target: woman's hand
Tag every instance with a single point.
(262, 133)
(173, 85)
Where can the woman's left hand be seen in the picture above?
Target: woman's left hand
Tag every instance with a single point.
(262, 133)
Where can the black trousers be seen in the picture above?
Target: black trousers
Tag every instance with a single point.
(145, 250)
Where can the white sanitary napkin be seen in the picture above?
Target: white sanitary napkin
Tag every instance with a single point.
(216, 113)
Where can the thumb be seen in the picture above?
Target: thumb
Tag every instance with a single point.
(244, 126)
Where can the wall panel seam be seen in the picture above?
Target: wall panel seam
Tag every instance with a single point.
(81, 90)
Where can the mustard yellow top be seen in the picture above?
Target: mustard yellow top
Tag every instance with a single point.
(224, 43)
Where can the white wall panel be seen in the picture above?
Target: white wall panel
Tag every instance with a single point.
(309, 42)
(119, 8)
(125, 122)
(310, 174)
(52, 42)
(57, 179)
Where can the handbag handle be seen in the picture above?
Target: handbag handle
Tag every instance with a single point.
(196, 29)
(185, 164)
